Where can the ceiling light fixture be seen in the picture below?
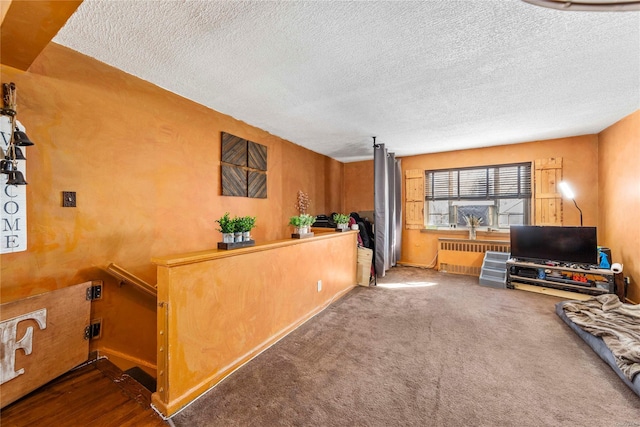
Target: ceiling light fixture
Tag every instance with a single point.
(589, 5)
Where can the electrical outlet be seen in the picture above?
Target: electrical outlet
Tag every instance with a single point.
(96, 329)
(319, 285)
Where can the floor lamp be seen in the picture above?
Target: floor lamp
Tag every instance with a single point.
(568, 193)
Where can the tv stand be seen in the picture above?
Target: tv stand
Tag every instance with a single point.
(560, 277)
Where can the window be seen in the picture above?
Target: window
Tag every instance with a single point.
(500, 195)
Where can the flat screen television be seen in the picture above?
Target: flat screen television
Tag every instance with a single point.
(549, 243)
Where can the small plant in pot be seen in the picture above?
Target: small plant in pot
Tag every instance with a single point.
(244, 225)
(227, 227)
(308, 220)
(302, 223)
(341, 220)
(296, 222)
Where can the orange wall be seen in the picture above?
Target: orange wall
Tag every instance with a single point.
(619, 204)
(145, 164)
(358, 186)
(334, 187)
(4, 8)
(318, 176)
(580, 157)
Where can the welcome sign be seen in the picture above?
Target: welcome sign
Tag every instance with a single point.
(13, 200)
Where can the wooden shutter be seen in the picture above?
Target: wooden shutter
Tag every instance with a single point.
(414, 199)
(548, 200)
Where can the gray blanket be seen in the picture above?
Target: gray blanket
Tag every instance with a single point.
(616, 323)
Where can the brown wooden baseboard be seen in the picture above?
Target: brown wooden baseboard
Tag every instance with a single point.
(411, 264)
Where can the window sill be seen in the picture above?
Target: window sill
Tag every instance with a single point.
(465, 232)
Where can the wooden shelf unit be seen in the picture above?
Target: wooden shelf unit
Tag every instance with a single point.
(600, 281)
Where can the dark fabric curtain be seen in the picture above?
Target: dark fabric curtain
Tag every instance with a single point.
(398, 210)
(387, 209)
(380, 204)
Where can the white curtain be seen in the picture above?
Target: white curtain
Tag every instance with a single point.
(387, 209)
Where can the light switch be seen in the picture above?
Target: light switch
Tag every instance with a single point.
(68, 199)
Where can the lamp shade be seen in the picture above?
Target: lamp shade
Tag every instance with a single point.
(566, 190)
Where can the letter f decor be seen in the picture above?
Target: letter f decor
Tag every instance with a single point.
(10, 344)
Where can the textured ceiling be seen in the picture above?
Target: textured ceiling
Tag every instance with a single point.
(422, 76)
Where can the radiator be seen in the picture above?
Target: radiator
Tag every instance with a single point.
(462, 256)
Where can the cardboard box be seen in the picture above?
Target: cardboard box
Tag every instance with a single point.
(363, 268)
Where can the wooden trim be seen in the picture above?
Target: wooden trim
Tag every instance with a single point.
(201, 256)
(124, 276)
(109, 353)
(452, 240)
(465, 232)
(411, 264)
(29, 26)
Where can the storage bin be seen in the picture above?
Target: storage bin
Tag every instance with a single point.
(363, 269)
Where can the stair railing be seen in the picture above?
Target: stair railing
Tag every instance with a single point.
(125, 277)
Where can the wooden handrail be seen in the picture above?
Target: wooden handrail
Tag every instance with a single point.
(125, 277)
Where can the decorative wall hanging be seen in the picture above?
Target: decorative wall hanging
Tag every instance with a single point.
(243, 167)
(13, 195)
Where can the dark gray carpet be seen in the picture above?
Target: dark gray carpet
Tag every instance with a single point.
(452, 353)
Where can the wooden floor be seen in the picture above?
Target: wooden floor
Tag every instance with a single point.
(97, 395)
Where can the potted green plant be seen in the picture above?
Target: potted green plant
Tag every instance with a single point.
(244, 225)
(302, 223)
(307, 221)
(227, 227)
(295, 221)
(237, 234)
(341, 220)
